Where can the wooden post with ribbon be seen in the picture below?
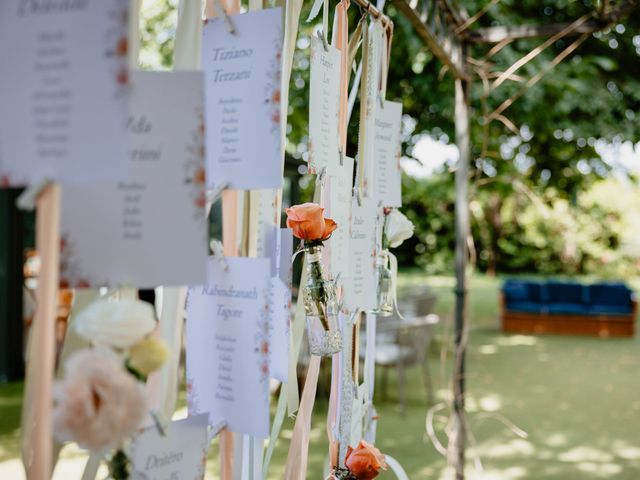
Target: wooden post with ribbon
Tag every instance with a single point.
(230, 244)
(41, 353)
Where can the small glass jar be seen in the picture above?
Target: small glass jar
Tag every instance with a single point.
(384, 307)
(321, 307)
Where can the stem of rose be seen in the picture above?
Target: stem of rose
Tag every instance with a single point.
(322, 316)
(320, 296)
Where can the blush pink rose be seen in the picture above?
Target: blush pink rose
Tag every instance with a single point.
(98, 404)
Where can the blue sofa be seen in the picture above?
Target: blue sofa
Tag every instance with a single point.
(603, 309)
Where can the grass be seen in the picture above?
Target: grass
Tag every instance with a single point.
(576, 398)
(10, 408)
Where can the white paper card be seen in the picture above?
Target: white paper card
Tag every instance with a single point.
(369, 98)
(150, 229)
(63, 90)
(388, 178)
(228, 345)
(339, 189)
(181, 454)
(324, 107)
(279, 250)
(361, 291)
(265, 219)
(242, 91)
(279, 328)
(358, 411)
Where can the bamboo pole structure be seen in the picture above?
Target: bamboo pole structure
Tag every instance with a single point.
(448, 36)
(374, 12)
(463, 143)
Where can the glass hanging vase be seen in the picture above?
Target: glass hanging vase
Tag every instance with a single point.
(384, 279)
(321, 307)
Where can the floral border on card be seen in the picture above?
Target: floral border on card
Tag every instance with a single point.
(193, 402)
(272, 88)
(195, 173)
(72, 274)
(117, 46)
(262, 339)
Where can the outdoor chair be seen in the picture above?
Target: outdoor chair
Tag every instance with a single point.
(407, 344)
(403, 343)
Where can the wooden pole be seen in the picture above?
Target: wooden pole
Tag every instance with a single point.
(230, 246)
(462, 231)
(42, 344)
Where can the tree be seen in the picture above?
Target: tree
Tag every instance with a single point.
(547, 144)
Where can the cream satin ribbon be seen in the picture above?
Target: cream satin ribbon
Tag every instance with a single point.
(230, 214)
(289, 392)
(296, 467)
(162, 386)
(264, 210)
(340, 39)
(341, 31)
(368, 422)
(186, 54)
(288, 399)
(346, 376)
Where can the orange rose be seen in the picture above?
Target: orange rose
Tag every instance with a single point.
(329, 227)
(365, 461)
(308, 223)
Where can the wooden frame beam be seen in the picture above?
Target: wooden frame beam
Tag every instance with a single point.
(435, 33)
(500, 33)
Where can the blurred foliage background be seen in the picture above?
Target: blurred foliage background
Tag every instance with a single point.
(544, 199)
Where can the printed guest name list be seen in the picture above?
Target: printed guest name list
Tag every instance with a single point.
(228, 344)
(63, 90)
(242, 107)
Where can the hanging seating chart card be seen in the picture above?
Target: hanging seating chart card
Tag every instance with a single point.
(339, 190)
(279, 249)
(180, 454)
(388, 177)
(228, 345)
(280, 329)
(324, 107)
(63, 90)
(264, 219)
(362, 253)
(282, 266)
(242, 93)
(369, 104)
(128, 233)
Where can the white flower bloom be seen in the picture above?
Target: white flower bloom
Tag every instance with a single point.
(397, 228)
(118, 324)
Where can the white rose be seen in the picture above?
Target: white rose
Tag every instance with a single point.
(119, 324)
(397, 228)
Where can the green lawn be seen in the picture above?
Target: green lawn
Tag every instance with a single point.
(578, 399)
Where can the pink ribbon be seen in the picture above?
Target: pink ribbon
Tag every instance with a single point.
(296, 467)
